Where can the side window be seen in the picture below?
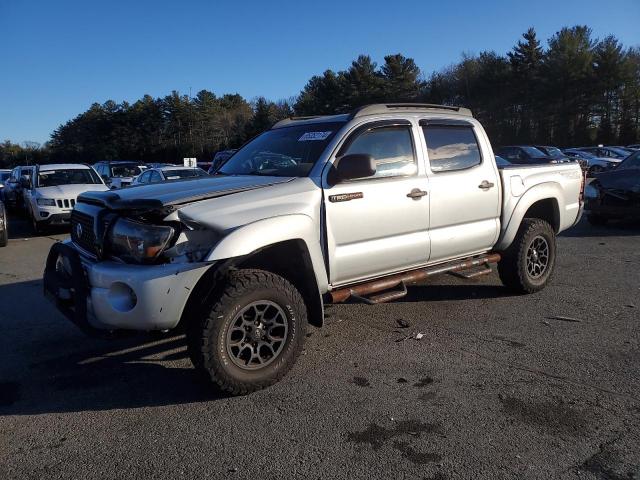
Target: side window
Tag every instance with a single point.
(391, 148)
(144, 178)
(451, 148)
(155, 177)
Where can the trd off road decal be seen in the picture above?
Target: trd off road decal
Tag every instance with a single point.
(345, 197)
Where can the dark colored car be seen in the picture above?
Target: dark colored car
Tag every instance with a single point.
(607, 152)
(553, 152)
(524, 154)
(220, 159)
(12, 190)
(501, 162)
(615, 194)
(4, 227)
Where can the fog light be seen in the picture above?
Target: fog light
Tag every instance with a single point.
(122, 297)
(44, 214)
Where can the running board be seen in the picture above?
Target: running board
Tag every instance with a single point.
(479, 265)
(472, 272)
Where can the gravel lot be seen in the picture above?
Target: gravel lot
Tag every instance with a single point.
(496, 388)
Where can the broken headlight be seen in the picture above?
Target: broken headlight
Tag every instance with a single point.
(136, 242)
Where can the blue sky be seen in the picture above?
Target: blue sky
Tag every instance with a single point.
(58, 57)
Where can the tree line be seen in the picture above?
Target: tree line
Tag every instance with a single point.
(577, 90)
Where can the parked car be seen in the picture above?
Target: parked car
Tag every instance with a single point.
(501, 162)
(364, 204)
(635, 146)
(594, 165)
(119, 174)
(606, 152)
(4, 176)
(51, 192)
(524, 154)
(4, 226)
(160, 165)
(553, 152)
(12, 191)
(615, 194)
(163, 174)
(219, 159)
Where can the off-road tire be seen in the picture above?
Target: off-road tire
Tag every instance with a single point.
(597, 220)
(513, 267)
(207, 332)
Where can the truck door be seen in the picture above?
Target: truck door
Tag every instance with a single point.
(379, 224)
(464, 189)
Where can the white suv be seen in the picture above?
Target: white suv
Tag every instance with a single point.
(51, 192)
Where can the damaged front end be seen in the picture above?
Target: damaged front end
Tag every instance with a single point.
(614, 198)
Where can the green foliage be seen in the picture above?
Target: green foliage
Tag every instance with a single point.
(578, 90)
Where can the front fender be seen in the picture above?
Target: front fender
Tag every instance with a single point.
(541, 191)
(254, 236)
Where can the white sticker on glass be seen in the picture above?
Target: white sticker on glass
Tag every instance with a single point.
(311, 136)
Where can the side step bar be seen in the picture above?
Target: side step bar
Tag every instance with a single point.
(477, 265)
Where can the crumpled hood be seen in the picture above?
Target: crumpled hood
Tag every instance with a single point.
(69, 191)
(626, 180)
(179, 192)
(300, 196)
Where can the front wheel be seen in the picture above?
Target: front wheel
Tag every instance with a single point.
(251, 333)
(527, 265)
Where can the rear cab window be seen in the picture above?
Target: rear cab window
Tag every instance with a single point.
(451, 147)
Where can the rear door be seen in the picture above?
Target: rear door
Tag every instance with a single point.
(372, 226)
(464, 189)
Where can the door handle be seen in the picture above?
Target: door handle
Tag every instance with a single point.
(485, 185)
(416, 194)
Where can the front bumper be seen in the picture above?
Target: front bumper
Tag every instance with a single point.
(108, 295)
(55, 219)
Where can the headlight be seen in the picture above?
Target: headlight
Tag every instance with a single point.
(137, 242)
(47, 202)
(591, 192)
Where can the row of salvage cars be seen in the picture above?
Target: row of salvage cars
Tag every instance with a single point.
(614, 191)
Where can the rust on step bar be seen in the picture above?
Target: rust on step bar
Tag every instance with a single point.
(412, 276)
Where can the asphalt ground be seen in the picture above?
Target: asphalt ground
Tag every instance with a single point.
(498, 386)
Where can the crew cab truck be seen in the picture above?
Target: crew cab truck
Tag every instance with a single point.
(313, 211)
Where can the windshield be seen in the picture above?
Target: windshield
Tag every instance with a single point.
(72, 176)
(119, 171)
(533, 152)
(184, 173)
(581, 154)
(621, 153)
(554, 151)
(284, 152)
(632, 162)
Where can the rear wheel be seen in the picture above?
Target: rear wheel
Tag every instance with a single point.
(527, 265)
(251, 333)
(37, 229)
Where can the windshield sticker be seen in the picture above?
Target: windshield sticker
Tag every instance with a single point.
(312, 136)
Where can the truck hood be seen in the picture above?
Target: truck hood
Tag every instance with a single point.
(69, 191)
(178, 192)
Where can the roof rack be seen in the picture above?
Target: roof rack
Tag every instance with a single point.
(387, 107)
(288, 120)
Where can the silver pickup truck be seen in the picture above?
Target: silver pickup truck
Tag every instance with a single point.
(316, 210)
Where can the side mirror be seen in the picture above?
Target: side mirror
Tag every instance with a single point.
(25, 182)
(354, 166)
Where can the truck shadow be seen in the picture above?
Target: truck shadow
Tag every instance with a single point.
(445, 293)
(105, 378)
(50, 367)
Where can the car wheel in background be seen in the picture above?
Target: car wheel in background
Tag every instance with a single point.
(250, 334)
(595, 170)
(4, 226)
(527, 265)
(35, 227)
(597, 220)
